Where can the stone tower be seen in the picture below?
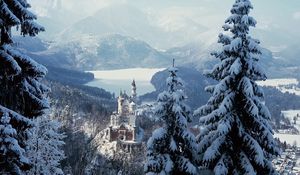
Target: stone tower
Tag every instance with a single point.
(133, 92)
(120, 103)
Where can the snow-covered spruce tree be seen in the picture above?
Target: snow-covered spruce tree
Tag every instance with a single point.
(12, 155)
(45, 147)
(22, 94)
(172, 148)
(236, 137)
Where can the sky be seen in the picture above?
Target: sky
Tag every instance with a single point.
(278, 17)
(271, 10)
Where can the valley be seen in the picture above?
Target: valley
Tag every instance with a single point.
(117, 102)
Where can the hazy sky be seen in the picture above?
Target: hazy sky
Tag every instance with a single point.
(272, 15)
(208, 12)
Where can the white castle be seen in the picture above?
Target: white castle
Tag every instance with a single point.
(123, 125)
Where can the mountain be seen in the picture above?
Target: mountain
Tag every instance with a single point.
(291, 55)
(113, 20)
(104, 38)
(198, 55)
(127, 20)
(117, 52)
(30, 44)
(103, 53)
(114, 52)
(162, 28)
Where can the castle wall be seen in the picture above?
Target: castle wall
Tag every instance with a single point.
(120, 133)
(133, 148)
(114, 134)
(129, 135)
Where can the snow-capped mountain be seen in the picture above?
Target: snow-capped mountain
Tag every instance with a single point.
(291, 55)
(125, 19)
(117, 52)
(162, 28)
(108, 52)
(179, 35)
(112, 20)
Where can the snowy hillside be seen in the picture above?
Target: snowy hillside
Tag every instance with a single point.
(293, 117)
(109, 159)
(288, 138)
(289, 85)
(165, 28)
(115, 51)
(103, 53)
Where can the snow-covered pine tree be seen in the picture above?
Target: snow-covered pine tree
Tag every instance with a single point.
(22, 94)
(236, 137)
(12, 155)
(172, 148)
(45, 147)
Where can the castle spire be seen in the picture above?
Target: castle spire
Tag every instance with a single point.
(134, 94)
(173, 62)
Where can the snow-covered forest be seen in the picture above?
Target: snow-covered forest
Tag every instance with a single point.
(134, 87)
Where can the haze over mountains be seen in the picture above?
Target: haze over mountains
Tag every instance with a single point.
(168, 16)
(128, 34)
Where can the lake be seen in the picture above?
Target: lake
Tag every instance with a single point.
(116, 80)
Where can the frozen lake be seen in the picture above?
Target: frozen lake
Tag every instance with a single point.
(116, 80)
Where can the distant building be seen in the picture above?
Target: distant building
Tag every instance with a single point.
(123, 126)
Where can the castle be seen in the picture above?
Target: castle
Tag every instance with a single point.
(123, 126)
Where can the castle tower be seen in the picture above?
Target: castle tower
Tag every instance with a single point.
(120, 103)
(132, 107)
(133, 92)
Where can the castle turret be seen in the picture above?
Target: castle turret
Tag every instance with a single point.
(120, 103)
(132, 107)
(134, 94)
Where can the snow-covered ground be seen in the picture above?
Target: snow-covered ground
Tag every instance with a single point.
(284, 85)
(278, 82)
(116, 80)
(290, 138)
(291, 114)
(103, 145)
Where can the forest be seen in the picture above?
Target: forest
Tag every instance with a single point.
(202, 97)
